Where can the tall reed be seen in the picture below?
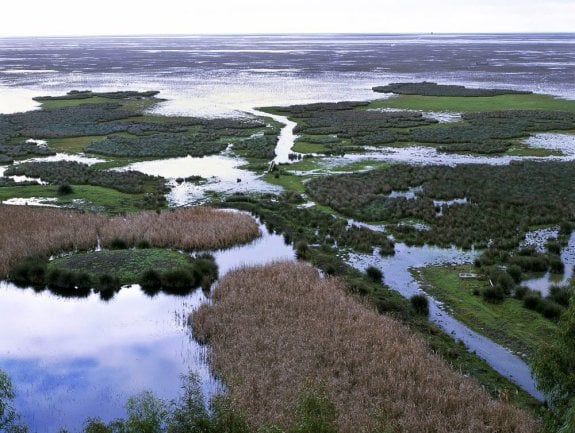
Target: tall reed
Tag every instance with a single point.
(27, 231)
(274, 330)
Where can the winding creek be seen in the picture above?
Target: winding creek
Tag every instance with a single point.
(133, 342)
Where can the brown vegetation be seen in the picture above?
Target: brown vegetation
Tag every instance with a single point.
(275, 330)
(27, 231)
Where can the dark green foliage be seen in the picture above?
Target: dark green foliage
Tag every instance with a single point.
(531, 300)
(553, 369)
(502, 201)
(420, 304)
(374, 274)
(514, 272)
(143, 244)
(71, 172)
(520, 292)
(108, 283)
(150, 282)
(549, 309)
(553, 247)
(556, 266)
(426, 88)
(65, 190)
(494, 294)
(162, 144)
(118, 244)
(31, 271)
(178, 281)
(301, 249)
(262, 146)
(560, 294)
(87, 94)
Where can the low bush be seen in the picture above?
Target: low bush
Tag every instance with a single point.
(420, 304)
(561, 295)
(494, 294)
(374, 274)
(531, 300)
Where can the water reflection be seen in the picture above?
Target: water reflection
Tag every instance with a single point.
(222, 173)
(73, 358)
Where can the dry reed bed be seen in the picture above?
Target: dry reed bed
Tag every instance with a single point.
(273, 329)
(26, 231)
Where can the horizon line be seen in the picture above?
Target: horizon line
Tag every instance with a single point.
(184, 35)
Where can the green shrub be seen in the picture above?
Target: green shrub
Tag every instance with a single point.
(493, 294)
(531, 300)
(143, 244)
(65, 189)
(420, 304)
(178, 280)
(374, 274)
(549, 309)
(107, 282)
(118, 244)
(560, 294)
(520, 292)
(150, 281)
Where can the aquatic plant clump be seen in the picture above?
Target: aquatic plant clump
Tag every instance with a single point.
(279, 330)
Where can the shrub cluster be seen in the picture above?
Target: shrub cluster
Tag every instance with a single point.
(502, 201)
(76, 173)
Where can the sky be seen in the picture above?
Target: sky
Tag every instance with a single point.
(128, 17)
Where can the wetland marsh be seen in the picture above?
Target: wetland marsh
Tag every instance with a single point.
(391, 181)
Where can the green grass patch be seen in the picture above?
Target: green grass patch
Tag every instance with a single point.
(290, 182)
(306, 147)
(61, 103)
(87, 197)
(72, 144)
(361, 166)
(127, 265)
(462, 103)
(507, 323)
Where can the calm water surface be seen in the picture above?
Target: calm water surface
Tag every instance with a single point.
(71, 359)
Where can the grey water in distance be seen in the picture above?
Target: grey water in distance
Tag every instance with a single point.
(219, 75)
(209, 76)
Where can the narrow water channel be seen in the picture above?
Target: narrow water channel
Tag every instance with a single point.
(397, 275)
(71, 359)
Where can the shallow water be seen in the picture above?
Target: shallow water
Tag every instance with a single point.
(71, 359)
(219, 75)
(223, 175)
(397, 275)
(544, 282)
